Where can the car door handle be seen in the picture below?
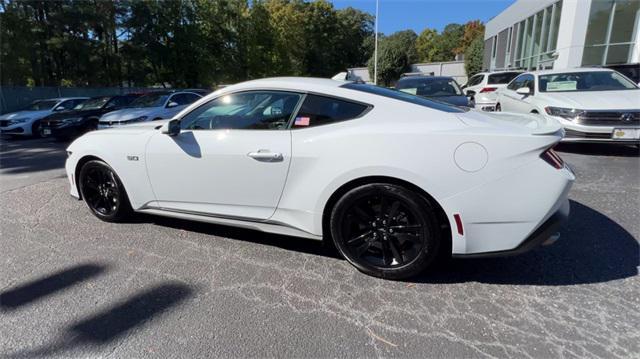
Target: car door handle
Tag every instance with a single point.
(266, 156)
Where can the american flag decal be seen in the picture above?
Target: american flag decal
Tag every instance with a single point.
(302, 121)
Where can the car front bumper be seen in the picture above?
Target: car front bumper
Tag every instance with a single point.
(17, 129)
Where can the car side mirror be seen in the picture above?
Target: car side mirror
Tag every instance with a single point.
(172, 104)
(523, 91)
(171, 128)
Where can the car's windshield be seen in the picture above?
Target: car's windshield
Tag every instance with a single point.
(502, 78)
(429, 87)
(93, 104)
(584, 81)
(403, 96)
(150, 100)
(41, 105)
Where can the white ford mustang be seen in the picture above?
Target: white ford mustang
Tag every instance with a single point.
(392, 179)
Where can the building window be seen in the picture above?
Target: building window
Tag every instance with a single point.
(611, 32)
(537, 38)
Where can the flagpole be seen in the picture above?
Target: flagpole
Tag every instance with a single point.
(375, 51)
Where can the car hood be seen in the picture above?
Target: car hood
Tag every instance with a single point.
(73, 114)
(521, 123)
(128, 114)
(594, 100)
(134, 128)
(23, 114)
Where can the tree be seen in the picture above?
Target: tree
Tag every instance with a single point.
(473, 57)
(447, 42)
(395, 54)
(472, 30)
(425, 45)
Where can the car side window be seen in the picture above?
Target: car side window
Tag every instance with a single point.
(68, 105)
(256, 110)
(319, 110)
(516, 83)
(475, 80)
(184, 98)
(529, 82)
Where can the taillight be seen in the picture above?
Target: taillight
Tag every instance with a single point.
(551, 157)
(488, 89)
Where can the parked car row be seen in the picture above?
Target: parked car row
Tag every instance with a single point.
(592, 104)
(67, 118)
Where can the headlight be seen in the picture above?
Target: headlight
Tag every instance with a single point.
(18, 120)
(566, 113)
(137, 119)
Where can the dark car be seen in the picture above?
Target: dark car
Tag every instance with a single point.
(441, 88)
(84, 117)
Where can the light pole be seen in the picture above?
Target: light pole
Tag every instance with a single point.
(375, 50)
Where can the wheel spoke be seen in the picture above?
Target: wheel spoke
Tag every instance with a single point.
(360, 213)
(394, 209)
(406, 228)
(405, 237)
(396, 252)
(386, 254)
(362, 236)
(361, 249)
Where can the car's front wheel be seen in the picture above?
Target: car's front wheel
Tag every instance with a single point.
(386, 230)
(103, 191)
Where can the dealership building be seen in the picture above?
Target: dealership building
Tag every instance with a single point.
(559, 34)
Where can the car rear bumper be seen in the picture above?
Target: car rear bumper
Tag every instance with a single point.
(547, 233)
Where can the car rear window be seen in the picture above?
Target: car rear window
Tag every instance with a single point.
(502, 78)
(403, 96)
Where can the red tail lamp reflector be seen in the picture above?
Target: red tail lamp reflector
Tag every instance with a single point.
(551, 157)
(488, 89)
(459, 224)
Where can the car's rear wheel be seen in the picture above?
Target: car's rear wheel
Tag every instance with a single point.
(386, 230)
(103, 191)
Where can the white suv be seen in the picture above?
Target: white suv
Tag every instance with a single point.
(482, 89)
(593, 104)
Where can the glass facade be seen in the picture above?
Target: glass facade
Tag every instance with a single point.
(537, 37)
(611, 32)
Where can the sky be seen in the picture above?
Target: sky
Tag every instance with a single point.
(398, 15)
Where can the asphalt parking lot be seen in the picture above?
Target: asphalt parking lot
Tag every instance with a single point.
(72, 286)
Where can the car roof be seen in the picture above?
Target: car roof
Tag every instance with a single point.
(500, 72)
(574, 70)
(426, 77)
(297, 83)
(61, 99)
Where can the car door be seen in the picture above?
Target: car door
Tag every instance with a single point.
(509, 99)
(230, 159)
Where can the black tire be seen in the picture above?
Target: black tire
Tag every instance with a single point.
(498, 108)
(103, 192)
(386, 230)
(36, 130)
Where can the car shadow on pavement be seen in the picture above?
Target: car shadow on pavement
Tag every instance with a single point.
(114, 322)
(31, 155)
(599, 149)
(303, 245)
(592, 248)
(39, 289)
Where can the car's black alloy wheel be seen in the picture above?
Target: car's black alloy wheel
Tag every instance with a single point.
(385, 230)
(103, 191)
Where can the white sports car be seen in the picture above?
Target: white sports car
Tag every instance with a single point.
(391, 178)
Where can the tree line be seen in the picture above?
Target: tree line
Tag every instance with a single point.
(202, 43)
